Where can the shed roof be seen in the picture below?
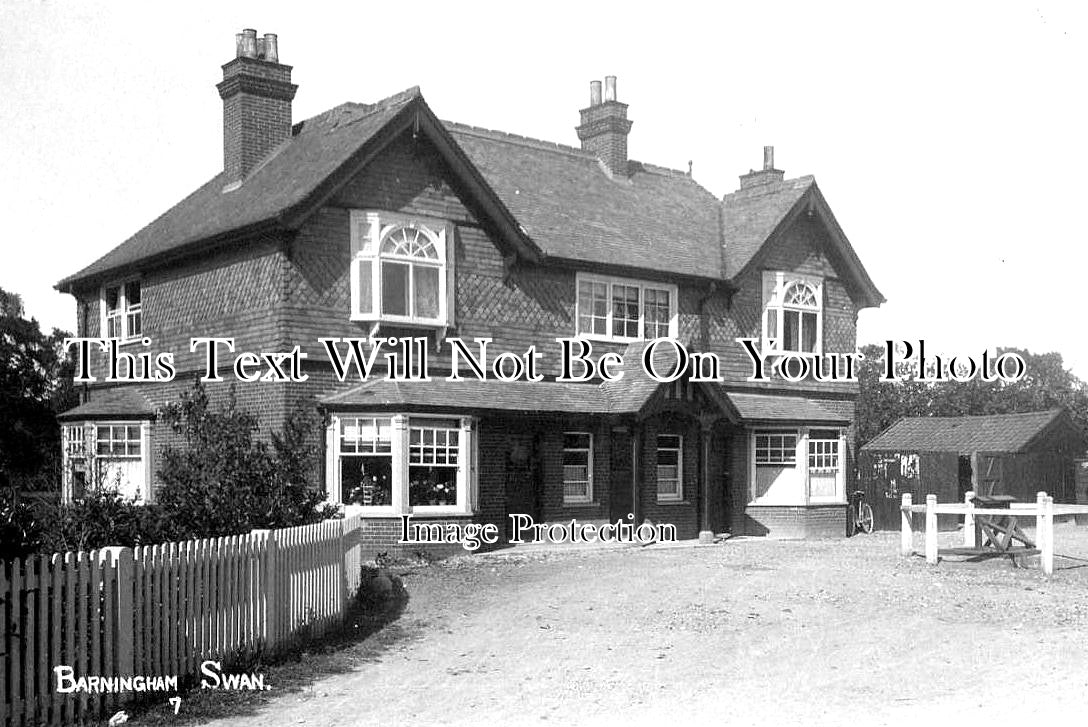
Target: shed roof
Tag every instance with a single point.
(989, 433)
(121, 402)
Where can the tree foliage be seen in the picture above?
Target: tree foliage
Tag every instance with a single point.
(35, 383)
(225, 481)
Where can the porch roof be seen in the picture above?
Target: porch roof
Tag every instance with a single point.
(117, 403)
(475, 394)
(756, 408)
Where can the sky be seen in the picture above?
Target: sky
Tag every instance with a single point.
(949, 138)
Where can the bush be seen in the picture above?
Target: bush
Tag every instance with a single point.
(225, 482)
(24, 526)
(102, 517)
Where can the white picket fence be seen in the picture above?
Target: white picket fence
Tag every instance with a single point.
(161, 610)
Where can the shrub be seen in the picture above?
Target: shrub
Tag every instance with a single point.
(224, 481)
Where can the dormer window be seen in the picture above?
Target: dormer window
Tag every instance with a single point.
(620, 309)
(792, 314)
(400, 270)
(122, 311)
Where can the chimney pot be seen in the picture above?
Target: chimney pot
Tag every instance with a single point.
(768, 158)
(239, 45)
(609, 88)
(260, 48)
(594, 93)
(271, 48)
(249, 43)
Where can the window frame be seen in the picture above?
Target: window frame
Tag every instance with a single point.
(401, 424)
(775, 286)
(611, 282)
(80, 444)
(803, 439)
(587, 498)
(369, 232)
(782, 461)
(124, 312)
(678, 495)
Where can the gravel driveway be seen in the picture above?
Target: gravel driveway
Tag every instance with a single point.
(745, 632)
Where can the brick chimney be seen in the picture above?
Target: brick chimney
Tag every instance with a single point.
(604, 127)
(767, 175)
(257, 93)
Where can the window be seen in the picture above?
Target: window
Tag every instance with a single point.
(399, 270)
(109, 455)
(122, 311)
(823, 464)
(577, 467)
(621, 309)
(670, 467)
(433, 462)
(399, 464)
(792, 315)
(776, 448)
(366, 461)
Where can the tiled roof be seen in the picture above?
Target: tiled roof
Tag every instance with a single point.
(655, 219)
(285, 179)
(560, 198)
(750, 216)
(995, 433)
(474, 394)
(122, 402)
(769, 408)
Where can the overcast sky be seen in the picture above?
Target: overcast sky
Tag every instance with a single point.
(949, 138)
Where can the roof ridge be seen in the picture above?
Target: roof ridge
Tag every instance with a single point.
(365, 110)
(762, 190)
(519, 139)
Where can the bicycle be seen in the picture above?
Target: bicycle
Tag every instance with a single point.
(859, 516)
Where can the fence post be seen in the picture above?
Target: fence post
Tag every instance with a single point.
(970, 537)
(270, 577)
(906, 534)
(1047, 545)
(1040, 501)
(931, 529)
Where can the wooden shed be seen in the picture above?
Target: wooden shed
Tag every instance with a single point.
(1000, 454)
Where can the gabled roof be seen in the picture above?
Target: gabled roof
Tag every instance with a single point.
(754, 216)
(546, 200)
(122, 402)
(990, 433)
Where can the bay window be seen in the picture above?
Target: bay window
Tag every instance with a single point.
(624, 310)
(401, 270)
(398, 464)
(106, 455)
(797, 466)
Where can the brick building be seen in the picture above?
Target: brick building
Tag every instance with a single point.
(380, 220)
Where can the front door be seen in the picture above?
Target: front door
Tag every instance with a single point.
(523, 477)
(620, 495)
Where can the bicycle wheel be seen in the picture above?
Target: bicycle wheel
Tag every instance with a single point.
(865, 517)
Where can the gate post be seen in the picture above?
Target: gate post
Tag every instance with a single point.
(931, 529)
(970, 534)
(1047, 545)
(906, 529)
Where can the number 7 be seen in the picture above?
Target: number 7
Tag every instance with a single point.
(176, 701)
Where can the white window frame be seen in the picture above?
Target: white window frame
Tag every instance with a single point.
(838, 468)
(678, 495)
(466, 502)
(775, 286)
(375, 450)
(588, 482)
(80, 441)
(123, 313)
(369, 231)
(800, 463)
(775, 444)
(610, 282)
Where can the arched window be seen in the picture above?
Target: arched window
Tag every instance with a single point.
(792, 318)
(399, 271)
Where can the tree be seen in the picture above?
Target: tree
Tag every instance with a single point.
(35, 383)
(225, 482)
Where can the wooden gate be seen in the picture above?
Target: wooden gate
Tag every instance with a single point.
(986, 469)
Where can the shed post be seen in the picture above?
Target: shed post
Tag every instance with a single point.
(1047, 545)
(906, 533)
(931, 529)
(970, 536)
